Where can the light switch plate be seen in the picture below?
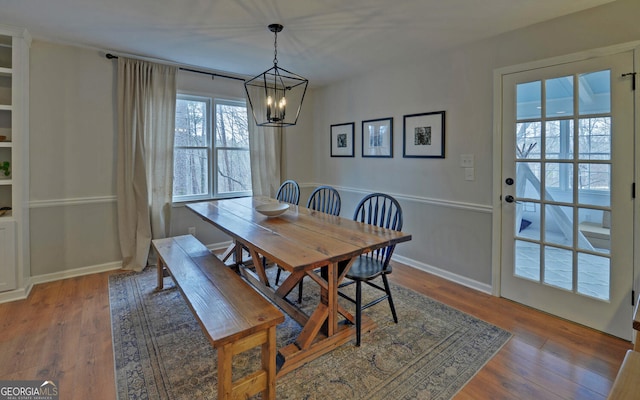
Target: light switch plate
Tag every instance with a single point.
(466, 160)
(469, 174)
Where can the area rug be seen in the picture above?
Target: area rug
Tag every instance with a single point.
(161, 353)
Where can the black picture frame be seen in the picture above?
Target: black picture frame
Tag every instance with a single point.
(424, 135)
(377, 138)
(342, 137)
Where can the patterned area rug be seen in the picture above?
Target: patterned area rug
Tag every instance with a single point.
(161, 352)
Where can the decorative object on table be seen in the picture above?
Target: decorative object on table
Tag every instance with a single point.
(4, 210)
(342, 137)
(276, 95)
(5, 168)
(377, 138)
(161, 352)
(272, 209)
(424, 135)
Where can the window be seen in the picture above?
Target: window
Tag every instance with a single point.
(211, 149)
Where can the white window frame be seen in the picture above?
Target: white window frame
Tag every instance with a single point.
(212, 149)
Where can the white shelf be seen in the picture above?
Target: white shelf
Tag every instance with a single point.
(14, 190)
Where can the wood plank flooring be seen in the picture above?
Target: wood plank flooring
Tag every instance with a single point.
(63, 332)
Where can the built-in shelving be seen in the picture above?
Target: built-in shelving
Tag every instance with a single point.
(14, 148)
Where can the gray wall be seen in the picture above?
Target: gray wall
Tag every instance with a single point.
(72, 159)
(72, 147)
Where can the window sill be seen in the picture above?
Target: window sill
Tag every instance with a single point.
(182, 203)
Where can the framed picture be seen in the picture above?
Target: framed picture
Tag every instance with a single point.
(377, 138)
(342, 140)
(424, 135)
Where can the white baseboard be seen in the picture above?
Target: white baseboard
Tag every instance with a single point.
(94, 269)
(21, 294)
(219, 246)
(18, 294)
(450, 276)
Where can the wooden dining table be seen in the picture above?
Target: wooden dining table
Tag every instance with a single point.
(300, 241)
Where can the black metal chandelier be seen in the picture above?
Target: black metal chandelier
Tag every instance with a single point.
(276, 95)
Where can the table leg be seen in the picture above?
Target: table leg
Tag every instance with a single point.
(259, 266)
(322, 331)
(160, 274)
(332, 299)
(230, 250)
(238, 253)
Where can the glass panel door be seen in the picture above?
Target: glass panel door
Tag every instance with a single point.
(567, 175)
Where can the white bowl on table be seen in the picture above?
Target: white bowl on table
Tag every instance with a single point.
(272, 209)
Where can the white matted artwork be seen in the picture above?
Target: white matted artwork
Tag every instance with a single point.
(377, 138)
(342, 140)
(424, 135)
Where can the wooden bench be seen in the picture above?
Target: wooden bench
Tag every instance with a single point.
(231, 313)
(627, 383)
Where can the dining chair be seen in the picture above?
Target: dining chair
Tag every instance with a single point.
(289, 192)
(384, 211)
(325, 199)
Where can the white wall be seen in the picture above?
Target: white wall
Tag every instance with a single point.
(448, 216)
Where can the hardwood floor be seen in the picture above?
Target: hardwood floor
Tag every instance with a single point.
(63, 332)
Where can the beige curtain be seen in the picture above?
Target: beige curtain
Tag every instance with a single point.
(146, 123)
(265, 149)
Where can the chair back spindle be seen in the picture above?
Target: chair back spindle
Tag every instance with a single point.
(289, 192)
(325, 199)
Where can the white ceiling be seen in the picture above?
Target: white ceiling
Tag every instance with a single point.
(323, 40)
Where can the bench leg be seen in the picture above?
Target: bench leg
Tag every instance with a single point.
(269, 363)
(261, 381)
(225, 362)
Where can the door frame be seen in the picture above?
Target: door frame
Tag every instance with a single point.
(496, 233)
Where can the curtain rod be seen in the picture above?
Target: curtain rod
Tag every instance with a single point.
(212, 74)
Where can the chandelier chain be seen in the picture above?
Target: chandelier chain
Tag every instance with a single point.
(275, 49)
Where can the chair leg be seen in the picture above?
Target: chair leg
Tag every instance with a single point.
(300, 291)
(388, 290)
(278, 275)
(358, 311)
